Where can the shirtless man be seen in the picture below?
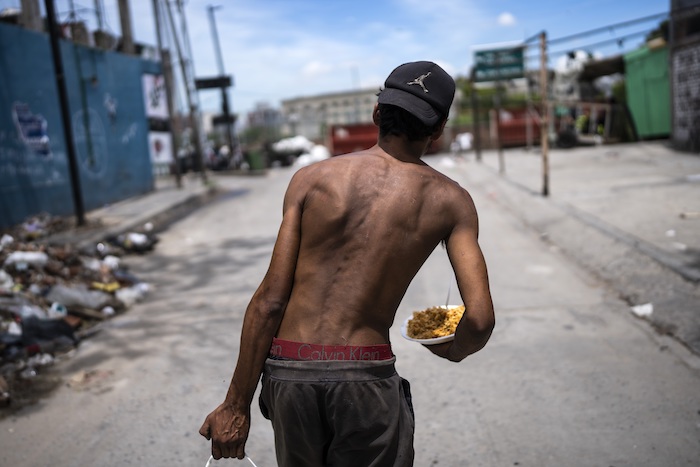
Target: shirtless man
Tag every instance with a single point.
(355, 231)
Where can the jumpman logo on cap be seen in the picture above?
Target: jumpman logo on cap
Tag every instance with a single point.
(419, 81)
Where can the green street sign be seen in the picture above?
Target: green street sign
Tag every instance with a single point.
(495, 64)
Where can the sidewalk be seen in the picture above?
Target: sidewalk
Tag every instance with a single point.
(152, 211)
(629, 213)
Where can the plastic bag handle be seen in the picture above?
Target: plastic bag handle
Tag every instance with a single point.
(211, 458)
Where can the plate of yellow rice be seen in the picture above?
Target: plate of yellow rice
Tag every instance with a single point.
(433, 325)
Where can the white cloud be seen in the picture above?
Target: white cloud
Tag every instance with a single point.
(506, 19)
(316, 68)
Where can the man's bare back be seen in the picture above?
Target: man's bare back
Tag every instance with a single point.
(369, 222)
(355, 231)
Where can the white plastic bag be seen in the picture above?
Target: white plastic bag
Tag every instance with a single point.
(211, 461)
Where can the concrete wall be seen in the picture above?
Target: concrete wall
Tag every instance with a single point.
(108, 116)
(686, 97)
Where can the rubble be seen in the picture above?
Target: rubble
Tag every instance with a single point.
(52, 295)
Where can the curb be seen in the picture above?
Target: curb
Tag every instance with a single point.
(160, 220)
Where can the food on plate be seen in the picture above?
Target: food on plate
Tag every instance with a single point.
(437, 321)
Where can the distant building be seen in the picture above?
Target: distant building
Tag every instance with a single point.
(310, 116)
(685, 71)
(264, 116)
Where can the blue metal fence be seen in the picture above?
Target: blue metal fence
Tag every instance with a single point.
(110, 128)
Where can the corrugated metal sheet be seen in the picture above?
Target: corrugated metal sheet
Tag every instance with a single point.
(110, 128)
(648, 91)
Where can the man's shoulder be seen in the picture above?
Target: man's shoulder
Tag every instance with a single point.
(335, 163)
(450, 193)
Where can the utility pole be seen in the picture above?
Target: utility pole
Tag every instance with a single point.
(99, 14)
(125, 21)
(224, 93)
(188, 93)
(30, 15)
(544, 120)
(65, 113)
(166, 63)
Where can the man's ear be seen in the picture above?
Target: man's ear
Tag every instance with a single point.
(375, 115)
(437, 133)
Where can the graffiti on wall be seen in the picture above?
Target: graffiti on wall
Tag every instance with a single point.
(31, 128)
(90, 142)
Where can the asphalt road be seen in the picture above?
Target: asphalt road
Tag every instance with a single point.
(569, 378)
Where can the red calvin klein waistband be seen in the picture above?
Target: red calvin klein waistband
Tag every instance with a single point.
(300, 351)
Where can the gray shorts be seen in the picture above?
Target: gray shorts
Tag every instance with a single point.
(338, 413)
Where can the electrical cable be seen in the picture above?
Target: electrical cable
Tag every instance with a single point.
(607, 28)
(619, 40)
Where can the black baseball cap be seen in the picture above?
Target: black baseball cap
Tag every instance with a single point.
(421, 88)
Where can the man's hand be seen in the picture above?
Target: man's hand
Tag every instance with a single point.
(227, 428)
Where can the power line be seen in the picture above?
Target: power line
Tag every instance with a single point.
(619, 40)
(600, 29)
(607, 28)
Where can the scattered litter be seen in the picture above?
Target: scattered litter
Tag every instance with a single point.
(112, 262)
(130, 295)
(6, 240)
(78, 295)
(680, 246)
(6, 281)
(106, 287)
(690, 215)
(52, 296)
(670, 233)
(643, 310)
(134, 242)
(14, 329)
(4, 392)
(21, 260)
(90, 379)
(57, 311)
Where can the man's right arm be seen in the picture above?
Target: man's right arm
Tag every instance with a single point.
(227, 426)
(468, 263)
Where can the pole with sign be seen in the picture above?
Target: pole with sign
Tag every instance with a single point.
(496, 65)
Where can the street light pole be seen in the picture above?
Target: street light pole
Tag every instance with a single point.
(215, 37)
(224, 94)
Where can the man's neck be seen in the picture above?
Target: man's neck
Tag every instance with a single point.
(401, 149)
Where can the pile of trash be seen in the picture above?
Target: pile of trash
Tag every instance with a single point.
(53, 296)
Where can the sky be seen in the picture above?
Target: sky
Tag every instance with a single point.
(282, 49)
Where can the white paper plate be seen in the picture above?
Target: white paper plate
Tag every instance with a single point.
(434, 340)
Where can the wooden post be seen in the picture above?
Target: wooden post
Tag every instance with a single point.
(499, 141)
(475, 118)
(544, 121)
